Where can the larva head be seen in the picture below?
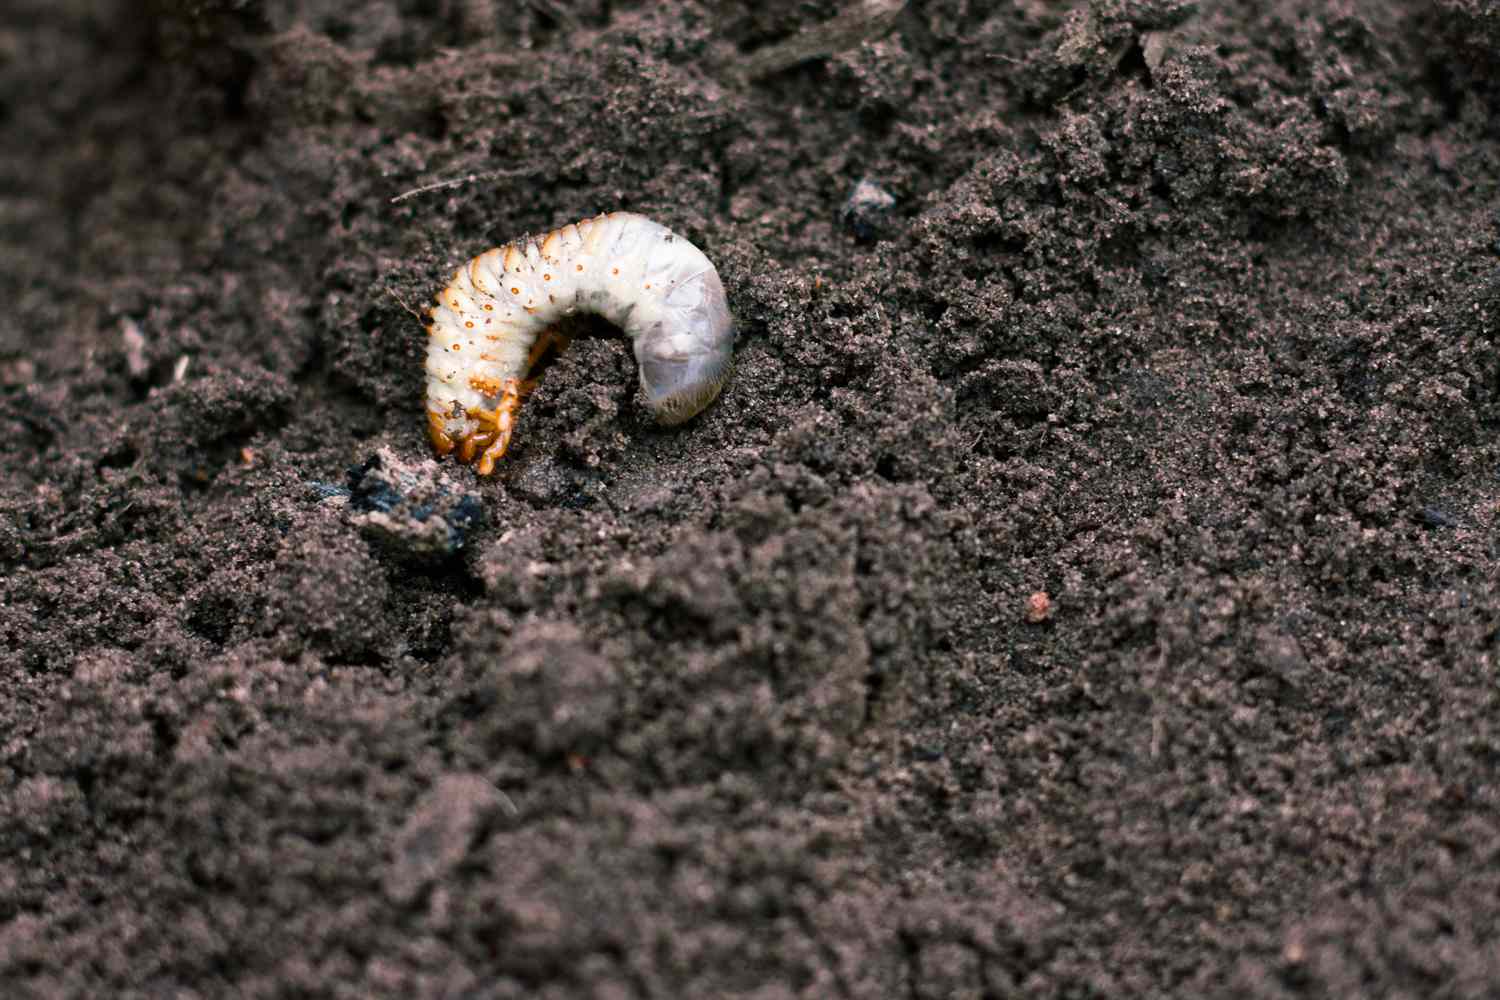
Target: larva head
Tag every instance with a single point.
(685, 359)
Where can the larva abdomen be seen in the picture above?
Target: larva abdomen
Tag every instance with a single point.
(488, 323)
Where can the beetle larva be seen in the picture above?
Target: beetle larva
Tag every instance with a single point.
(495, 318)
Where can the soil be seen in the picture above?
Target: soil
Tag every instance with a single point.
(1182, 313)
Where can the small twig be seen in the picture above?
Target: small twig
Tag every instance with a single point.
(862, 21)
(454, 182)
(392, 293)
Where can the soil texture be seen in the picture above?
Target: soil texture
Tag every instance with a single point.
(1086, 586)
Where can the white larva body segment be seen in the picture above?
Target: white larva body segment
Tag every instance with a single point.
(498, 310)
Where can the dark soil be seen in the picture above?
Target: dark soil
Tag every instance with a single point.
(1184, 313)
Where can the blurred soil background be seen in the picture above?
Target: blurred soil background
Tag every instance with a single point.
(1184, 313)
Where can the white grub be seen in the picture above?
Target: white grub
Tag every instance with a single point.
(500, 311)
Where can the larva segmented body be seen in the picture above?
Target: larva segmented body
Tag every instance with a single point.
(499, 310)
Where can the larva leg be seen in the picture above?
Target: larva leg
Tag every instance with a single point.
(498, 425)
(552, 338)
(441, 442)
(469, 446)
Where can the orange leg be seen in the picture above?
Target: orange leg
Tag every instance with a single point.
(503, 420)
(469, 446)
(486, 445)
(441, 442)
(550, 337)
(498, 424)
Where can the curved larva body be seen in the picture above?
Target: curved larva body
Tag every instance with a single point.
(488, 325)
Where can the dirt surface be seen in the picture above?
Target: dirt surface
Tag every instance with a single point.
(1182, 313)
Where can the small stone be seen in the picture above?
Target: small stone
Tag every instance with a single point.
(17, 371)
(867, 208)
(1436, 517)
(415, 510)
(134, 343)
(1038, 607)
